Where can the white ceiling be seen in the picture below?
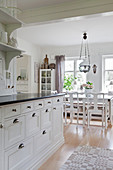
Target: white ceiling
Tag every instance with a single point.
(29, 4)
(99, 29)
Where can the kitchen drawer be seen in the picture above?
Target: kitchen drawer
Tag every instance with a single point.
(48, 102)
(19, 155)
(57, 100)
(32, 121)
(39, 104)
(27, 107)
(14, 130)
(0, 114)
(42, 140)
(46, 118)
(11, 110)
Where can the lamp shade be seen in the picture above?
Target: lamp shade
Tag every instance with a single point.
(84, 66)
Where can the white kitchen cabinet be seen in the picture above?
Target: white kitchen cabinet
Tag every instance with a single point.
(30, 132)
(1, 127)
(14, 130)
(57, 100)
(32, 122)
(48, 102)
(27, 107)
(38, 104)
(46, 118)
(18, 155)
(42, 140)
(47, 81)
(57, 123)
(0, 114)
(11, 110)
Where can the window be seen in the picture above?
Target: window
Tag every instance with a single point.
(69, 67)
(72, 68)
(108, 73)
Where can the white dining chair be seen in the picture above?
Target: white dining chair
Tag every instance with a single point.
(72, 106)
(95, 107)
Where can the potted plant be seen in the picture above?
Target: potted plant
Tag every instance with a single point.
(88, 87)
(68, 82)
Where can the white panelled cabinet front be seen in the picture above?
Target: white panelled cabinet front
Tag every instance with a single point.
(1, 136)
(57, 123)
(19, 155)
(42, 140)
(29, 133)
(14, 130)
(32, 122)
(46, 118)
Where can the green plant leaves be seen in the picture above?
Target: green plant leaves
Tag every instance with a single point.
(68, 80)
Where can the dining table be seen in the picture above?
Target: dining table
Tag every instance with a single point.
(108, 99)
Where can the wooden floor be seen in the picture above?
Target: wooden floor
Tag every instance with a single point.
(79, 136)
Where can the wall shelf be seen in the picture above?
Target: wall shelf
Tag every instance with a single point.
(8, 48)
(10, 51)
(6, 18)
(9, 24)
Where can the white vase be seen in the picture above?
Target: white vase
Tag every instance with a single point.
(88, 91)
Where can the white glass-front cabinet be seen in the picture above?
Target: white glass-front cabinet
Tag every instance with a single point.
(47, 81)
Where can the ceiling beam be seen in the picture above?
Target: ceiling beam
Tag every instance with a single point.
(66, 10)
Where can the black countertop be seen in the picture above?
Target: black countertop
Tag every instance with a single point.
(23, 97)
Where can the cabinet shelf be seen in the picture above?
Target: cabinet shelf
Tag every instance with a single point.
(8, 48)
(6, 18)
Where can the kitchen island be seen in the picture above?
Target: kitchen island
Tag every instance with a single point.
(31, 129)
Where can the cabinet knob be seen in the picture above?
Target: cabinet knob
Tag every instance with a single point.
(16, 121)
(46, 110)
(58, 100)
(54, 108)
(44, 132)
(29, 107)
(13, 110)
(34, 114)
(1, 126)
(21, 146)
(40, 104)
(49, 102)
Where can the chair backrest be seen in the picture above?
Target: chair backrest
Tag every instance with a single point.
(95, 99)
(72, 96)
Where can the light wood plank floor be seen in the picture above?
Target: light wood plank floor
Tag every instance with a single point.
(78, 136)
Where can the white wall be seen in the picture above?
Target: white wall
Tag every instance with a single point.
(96, 52)
(35, 53)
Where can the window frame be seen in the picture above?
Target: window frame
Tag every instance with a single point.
(104, 70)
(75, 63)
(70, 58)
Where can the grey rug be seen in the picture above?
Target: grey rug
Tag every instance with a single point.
(89, 158)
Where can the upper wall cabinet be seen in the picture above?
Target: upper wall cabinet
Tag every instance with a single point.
(8, 24)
